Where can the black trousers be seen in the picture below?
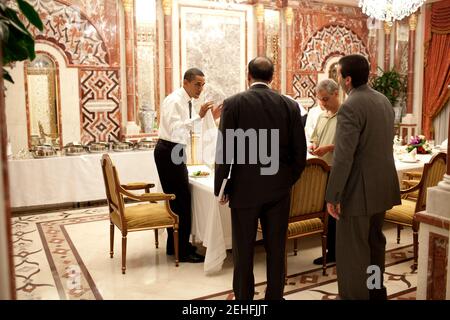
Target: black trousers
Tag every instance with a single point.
(331, 237)
(360, 243)
(174, 179)
(274, 222)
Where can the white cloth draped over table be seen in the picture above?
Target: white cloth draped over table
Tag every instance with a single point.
(74, 178)
(211, 222)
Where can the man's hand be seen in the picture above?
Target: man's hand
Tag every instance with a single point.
(320, 151)
(334, 210)
(311, 148)
(217, 111)
(224, 199)
(204, 108)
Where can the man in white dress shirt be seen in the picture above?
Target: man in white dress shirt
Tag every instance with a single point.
(177, 119)
(311, 121)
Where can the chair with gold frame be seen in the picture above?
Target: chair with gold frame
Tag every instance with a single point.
(403, 215)
(152, 215)
(308, 215)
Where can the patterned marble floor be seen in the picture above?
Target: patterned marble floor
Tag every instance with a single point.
(65, 255)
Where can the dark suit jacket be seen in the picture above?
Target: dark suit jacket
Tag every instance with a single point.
(363, 177)
(260, 108)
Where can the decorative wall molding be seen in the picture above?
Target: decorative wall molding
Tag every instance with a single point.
(327, 42)
(100, 101)
(304, 89)
(68, 28)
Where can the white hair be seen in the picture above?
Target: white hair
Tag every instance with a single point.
(328, 85)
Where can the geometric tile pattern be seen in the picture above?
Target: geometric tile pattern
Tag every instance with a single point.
(41, 235)
(304, 88)
(398, 278)
(329, 41)
(70, 30)
(97, 86)
(44, 250)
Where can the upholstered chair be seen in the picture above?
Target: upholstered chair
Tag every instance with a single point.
(403, 215)
(308, 215)
(152, 213)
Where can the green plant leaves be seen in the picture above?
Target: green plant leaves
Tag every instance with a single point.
(17, 42)
(390, 83)
(31, 14)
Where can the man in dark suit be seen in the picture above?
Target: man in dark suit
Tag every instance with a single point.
(254, 124)
(363, 182)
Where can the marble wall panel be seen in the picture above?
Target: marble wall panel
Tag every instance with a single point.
(272, 35)
(323, 32)
(100, 113)
(69, 29)
(215, 42)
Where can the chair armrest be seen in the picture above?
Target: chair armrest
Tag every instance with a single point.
(147, 196)
(410, 183)
(414, 188)
(137, 186)
(413, 174)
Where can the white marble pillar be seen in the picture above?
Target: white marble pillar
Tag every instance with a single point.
(433, 273)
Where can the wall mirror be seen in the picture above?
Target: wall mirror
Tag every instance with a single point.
(43, 110)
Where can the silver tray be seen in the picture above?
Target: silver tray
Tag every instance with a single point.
(43, 157)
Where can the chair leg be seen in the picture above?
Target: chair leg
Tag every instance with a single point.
(324, 253)
(295, 247)
(111, 239)
(415, 244)
(124, 253)
(156, 238)
(399, 229)
(175, 243)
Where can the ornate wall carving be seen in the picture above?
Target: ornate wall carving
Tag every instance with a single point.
(304, 89)
(323, 31)
(70, 30)
(327, 42)
(100, 113)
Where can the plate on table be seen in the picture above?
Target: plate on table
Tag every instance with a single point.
(199, 174)
(409, 160)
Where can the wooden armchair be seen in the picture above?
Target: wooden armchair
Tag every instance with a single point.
(154, 214)
(403, 215)
(308, 214)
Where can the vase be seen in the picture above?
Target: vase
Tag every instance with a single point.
(146, 118)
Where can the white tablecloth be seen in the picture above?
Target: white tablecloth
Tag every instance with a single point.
(74, 178)
(211, 222)
(408, 166)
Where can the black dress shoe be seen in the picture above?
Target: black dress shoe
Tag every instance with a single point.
(330, 259)
(193, 258)
(191, 249)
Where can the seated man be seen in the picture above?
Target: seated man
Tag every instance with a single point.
(322, 145)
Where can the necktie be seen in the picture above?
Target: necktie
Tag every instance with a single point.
(190, 109)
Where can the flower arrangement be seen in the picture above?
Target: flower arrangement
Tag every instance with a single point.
(420, 144)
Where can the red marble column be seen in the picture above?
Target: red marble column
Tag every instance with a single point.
(168, 62)
(448, 145)
(129, 59)
(6, 194)
(411, 50)
(289, 16)
(259, 12)
(387, 46)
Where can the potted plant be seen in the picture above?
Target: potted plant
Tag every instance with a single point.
(392, 84)
(389, 83)
(17, 42)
